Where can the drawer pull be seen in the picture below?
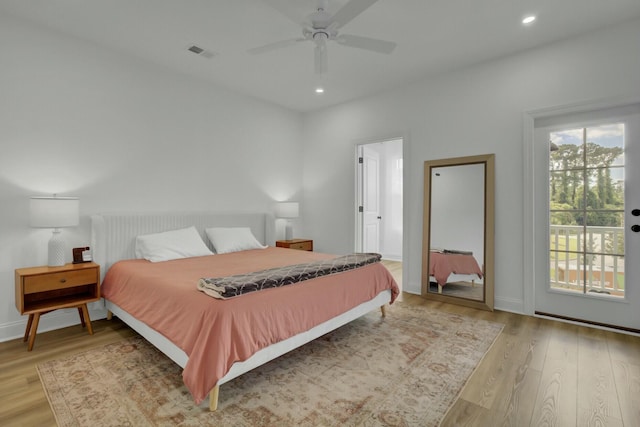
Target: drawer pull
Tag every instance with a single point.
(63, 280)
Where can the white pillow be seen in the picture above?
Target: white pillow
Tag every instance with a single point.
(169, 245)
(232, 239)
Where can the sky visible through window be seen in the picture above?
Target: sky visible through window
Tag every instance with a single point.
(610, 135)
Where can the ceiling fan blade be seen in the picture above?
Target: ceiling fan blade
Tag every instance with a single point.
(375, 45)
(350, 11)
(321, 60)
(276, 45)
(295, 11)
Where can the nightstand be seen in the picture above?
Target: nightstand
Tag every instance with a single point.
(301, 244)
(40, 290)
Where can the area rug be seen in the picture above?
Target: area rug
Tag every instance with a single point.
(405, 369)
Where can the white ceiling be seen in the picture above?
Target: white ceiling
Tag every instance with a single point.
(432, 36)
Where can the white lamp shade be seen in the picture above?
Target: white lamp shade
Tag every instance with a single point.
(54, 212)
(287, 210)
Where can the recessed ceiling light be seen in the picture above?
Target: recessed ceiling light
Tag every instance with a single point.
(319, 90)
(528, 19)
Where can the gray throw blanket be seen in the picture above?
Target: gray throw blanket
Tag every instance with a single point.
(239, 284)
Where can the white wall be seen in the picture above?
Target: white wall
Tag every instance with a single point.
(478, 110)
(123, 135)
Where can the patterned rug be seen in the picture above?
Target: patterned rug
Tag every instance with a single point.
(403, 370)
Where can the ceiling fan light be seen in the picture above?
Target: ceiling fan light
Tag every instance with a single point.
(319, 90)
(528, 19)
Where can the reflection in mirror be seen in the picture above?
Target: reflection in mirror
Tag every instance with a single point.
(457, 234)
(458, 231)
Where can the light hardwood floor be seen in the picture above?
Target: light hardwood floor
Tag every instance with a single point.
(538, 372)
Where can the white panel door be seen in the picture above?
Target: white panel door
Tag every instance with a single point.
(371, 200)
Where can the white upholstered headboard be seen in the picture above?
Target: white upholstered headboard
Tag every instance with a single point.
(113, 235)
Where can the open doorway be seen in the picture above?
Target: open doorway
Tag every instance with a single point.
(379, 224)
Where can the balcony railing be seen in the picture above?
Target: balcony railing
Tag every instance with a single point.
(597, 267)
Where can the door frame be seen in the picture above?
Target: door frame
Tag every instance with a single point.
(530, 168)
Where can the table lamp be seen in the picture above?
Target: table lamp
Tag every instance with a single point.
(55, 212)
(288, 210)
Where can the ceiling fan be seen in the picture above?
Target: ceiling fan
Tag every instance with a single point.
(320, 27)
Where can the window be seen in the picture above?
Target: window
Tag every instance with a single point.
(586, 210)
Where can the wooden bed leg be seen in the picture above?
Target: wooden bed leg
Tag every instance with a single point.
(439, 288)
(383, 310)
(109, 315)
(473, 283)
(213, 398)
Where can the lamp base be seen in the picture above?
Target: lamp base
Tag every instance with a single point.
(57, 250)
(288, 231)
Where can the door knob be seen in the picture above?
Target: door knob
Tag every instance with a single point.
(635, 212)
(635, 228)
(379, 217)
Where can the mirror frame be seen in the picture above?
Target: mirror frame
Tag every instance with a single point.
(489, 229)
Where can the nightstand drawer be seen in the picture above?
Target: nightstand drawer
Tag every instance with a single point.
(62, 280)
(298, 244)
(304, 246)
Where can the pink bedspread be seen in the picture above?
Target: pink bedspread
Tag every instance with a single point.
(216, 333)
(442, 265)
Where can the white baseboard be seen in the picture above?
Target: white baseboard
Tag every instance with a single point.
(511, 305)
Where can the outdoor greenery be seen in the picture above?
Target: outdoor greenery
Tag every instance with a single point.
(603, 200)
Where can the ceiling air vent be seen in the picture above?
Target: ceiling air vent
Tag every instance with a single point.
(202, 52)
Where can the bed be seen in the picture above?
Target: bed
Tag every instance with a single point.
(215, 341)
(444, 264)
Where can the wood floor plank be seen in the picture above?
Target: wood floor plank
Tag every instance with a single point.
(513, 402)
(513, 395)
(556, 397)
(502, 367)
(480, 390)
(624, 352)
(624, 347)
(597, 398)
(627, 380)
(464, 413)
(519, 405)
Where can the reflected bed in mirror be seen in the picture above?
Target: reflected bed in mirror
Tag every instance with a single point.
(457, 252)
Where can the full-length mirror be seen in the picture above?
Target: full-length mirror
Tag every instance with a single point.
(458, 229)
